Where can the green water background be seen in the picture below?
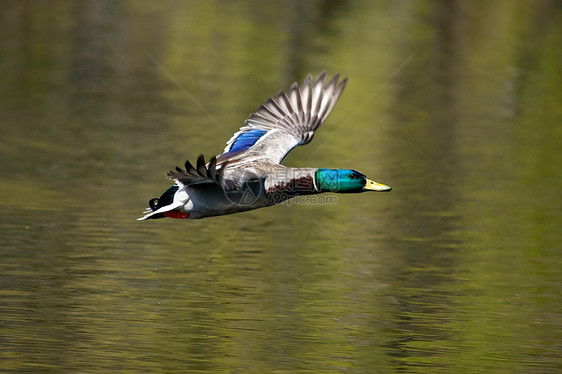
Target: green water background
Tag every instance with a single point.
(455, 104)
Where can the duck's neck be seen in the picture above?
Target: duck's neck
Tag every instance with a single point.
(306, 181)
(289, 182)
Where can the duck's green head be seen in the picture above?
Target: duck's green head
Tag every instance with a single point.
(346, 180)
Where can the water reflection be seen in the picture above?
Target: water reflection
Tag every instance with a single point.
(456, 270)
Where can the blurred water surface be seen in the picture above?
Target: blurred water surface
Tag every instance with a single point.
(455, 104)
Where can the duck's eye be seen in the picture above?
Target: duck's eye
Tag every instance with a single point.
(153, 204)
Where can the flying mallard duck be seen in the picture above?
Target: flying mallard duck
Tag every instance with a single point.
(248, 174)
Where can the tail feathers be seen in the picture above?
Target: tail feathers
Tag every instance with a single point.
(154, 214)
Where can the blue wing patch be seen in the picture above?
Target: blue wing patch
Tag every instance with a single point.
(243, 142)
(246, 140)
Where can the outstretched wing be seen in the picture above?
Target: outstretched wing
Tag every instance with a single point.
(285, 121)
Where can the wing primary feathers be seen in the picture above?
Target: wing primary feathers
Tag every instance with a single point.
(326, 103)
(287, 103)
(280, 101)
(307, 90)
(316, 92)
(322, 76)
(277, 107)
(269, 111)
(337, 91)
(288, 119)
(295, 97)
(201, 165)
(188, 167)
(201, 174)
(212, 169)
(298, 99)
(262, 117)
